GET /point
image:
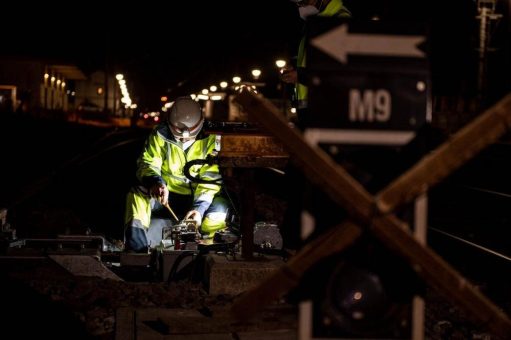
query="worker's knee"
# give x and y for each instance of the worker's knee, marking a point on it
(135, 239)
(213, 222)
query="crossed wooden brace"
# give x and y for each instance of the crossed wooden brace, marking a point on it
(361, 205)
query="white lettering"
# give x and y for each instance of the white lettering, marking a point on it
(370, 105)
(383, 105)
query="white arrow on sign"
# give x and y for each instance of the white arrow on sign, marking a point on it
(338, 43)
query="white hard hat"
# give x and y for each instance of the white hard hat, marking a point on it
(185, 118)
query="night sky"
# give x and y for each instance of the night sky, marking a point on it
(178, 47)
(162, 46)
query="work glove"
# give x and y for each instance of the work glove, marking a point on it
(160, 192)
(194, 215)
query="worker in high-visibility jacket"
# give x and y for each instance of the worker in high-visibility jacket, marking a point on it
(296, 74)
(163, 183)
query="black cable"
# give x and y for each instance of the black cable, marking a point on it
(209, 160)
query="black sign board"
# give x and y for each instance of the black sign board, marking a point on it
(369, 93)
(369, 79)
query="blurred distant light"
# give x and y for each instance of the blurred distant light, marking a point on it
(205, 91)
(133, 106)
(52, 79)
(73, 93)
(46, 76)
(256, 73)
(58, 82)
(202, 97)
(280, 63)
(167, 105)
(164, 98)
(223, 84)
(421, 86)
(213, 88)
(99, 91)
(193, 96)
(146, 116)
(63, 84)
(122, 82)
(119, 76)
(216, 97)
(236, 79)
(250, 88)
(156, 118)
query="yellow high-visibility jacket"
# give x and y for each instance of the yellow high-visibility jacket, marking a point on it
(163, 160)
(335, 8)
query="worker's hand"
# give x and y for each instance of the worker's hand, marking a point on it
(289, 75)
(160, 192)
(194, 215)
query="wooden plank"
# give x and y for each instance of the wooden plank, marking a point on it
(177, 323)
(82, 265)
(344, 190)
(250, 145)
(251, 151)
(282, 280)
(125, 324)
(461, 147)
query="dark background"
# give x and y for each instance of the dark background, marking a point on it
(64, 178)
(83, 173)
(176, 48)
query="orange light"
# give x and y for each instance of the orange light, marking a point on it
(164, 98)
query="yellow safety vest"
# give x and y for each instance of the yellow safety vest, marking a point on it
(335, 8)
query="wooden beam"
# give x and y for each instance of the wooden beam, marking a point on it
(346, 191)
(288, 276)
(316, 164)
(461, 147)
(441, 276)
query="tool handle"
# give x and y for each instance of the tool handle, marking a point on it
(171, 211)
